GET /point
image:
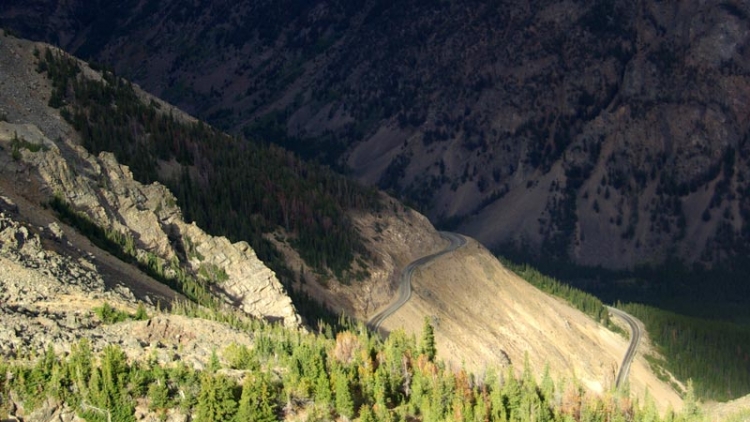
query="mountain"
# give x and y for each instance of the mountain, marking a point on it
(607, 133)
(135, 231)
(84, 244)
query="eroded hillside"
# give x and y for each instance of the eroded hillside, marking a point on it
(42, 165)
(485, 315)
(610, 132)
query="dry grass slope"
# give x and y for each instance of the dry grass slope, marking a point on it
(482, 313)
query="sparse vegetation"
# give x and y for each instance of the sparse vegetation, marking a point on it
(109, 315)
(123, 246)
(16, 144)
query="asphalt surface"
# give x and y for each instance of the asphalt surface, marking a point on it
(404, 289)
(635, 338)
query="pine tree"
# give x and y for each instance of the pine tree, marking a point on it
(547, 385)
(344, 400)
(649, 412)
(323, 394)
(80, 364)
(215, 400)
(365, 414)
(158, 391)
(257, 402)
(690, 409)
(140, 313)
(512, 392)
(428, 347)
(214, 364)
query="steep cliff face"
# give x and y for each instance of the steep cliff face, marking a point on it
(608, 132)
(40, 159)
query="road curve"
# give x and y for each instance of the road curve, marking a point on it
(635, 338)
(404, 289)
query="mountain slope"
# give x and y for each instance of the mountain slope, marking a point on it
(100, 196)
(41, 159)
(484, 315)
(302, 216)
(603, 132)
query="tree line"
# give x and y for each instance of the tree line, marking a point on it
(233, 187)
(584, 302)
(715, 354)
(352, 375)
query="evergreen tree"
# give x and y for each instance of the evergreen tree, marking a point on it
(344, 400)
(513, 393)
(80, 364)
(216, 400)
(257, 402)
(158, 391)
(547, 385)
(690, 409)
(213, 363)
(323, 394)
(649, 413)
(365, 414)
(140, 313)
(428, 340)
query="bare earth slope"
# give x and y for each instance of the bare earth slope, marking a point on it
(486, 315)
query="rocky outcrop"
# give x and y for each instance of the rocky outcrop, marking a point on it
(106, 192)
(39, 155)
(38, 285)
(48, 298)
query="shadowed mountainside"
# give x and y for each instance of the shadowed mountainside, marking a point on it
(610, 133)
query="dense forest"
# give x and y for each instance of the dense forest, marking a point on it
(715, 354)
(352, 375)
(232, 187)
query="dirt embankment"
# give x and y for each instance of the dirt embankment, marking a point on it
(485, 315)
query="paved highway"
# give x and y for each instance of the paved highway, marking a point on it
(635, 338)
(404, 288)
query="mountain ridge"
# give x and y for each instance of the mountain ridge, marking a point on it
(624, 125)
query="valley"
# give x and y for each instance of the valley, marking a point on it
(602, 133)
(145, 199)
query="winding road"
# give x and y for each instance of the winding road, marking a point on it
(457, 241)
(635, 338)
(404, 289)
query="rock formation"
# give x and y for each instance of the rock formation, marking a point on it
(106, 193)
